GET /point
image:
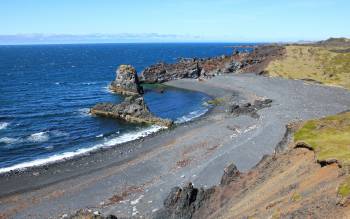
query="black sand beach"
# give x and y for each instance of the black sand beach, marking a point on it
(133, 179)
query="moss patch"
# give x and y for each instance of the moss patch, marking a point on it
(329, 137)
(154, 86)
(216, 101)
(296, 197)
(344, 188)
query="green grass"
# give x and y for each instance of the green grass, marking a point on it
(329, 137)
(154, 86)
(216, 101)
(296, 197)
(344, 188)
(321, 64)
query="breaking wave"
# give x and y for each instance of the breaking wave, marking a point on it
(191, 116)
(3, 125)
(67, 155)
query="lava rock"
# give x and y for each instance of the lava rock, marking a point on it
(133, 109)
(183, 202)
(231, 173)
(127, 81)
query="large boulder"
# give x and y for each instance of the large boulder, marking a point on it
(183, 202)
(126, 82)
(133, 109)
(231, 173)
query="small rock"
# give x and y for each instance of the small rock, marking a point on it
(230, 174)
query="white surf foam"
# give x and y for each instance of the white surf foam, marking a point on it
(107, 90)
(58, 133)
(8, 140)
(3, 125)
(191, 116)
(67, 155)
(83, 112)
(89, 83)
(38, 137)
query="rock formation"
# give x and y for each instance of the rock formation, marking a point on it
(231, 173)
(133, 109)
(183, 202)
(189, 68)
(126, 82)
(161, 72)
(201, 68)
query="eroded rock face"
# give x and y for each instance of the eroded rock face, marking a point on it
(183, 202)
(189, 68)
(161, 72)
(126, 82)
(231, 173)
(238, 62)
(133, 109)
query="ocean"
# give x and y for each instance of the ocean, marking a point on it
(46, 92)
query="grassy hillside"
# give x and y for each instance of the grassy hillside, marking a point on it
(329, 137)
(325, 63)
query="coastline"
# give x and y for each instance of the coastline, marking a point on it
(123, 149)
(132, 137)
(148, 163)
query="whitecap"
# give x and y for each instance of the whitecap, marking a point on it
(57, 83)
(67, 155)
(38, 137)
(107, 90)
(58, 133)
(8, 140)
(83, 112)
(89, 83)
(191, 116)
(3, 125)
(50, 147)
(99, 136)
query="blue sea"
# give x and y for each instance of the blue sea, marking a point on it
(46, 92)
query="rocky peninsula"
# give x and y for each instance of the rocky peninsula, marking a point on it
(133, 108)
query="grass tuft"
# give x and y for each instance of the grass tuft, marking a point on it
(344, 188)
(216, 101)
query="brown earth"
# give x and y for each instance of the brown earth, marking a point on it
(290, 184)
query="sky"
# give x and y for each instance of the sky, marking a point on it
(75, 21)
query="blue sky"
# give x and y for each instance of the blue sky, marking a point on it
(46, 21)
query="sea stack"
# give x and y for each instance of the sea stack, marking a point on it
(126, 81)
(133, 108)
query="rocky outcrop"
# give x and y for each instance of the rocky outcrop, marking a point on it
(258, 60)
(126, 81)
(183, 202)
(133, 109)
(161, 72)
(190, 68)
(248, 108)
(254, 61)
(231, 173)
(89, 214)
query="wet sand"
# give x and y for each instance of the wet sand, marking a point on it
(133, 178)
